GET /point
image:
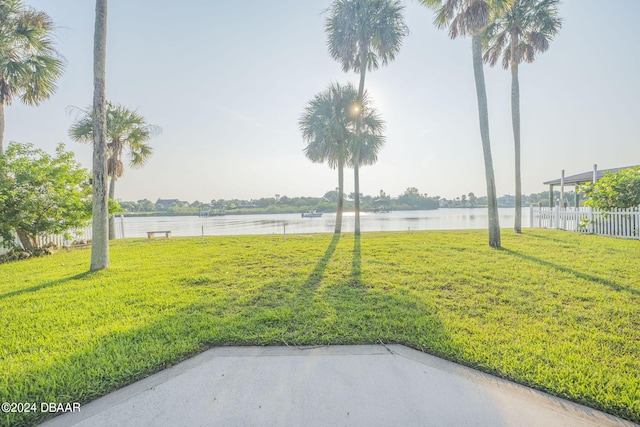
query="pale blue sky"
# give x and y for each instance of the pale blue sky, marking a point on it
(227, 81)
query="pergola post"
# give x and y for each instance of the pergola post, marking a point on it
(562, 189)
(561, 205)
(576, 181)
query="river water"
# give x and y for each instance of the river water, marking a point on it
(440, 219)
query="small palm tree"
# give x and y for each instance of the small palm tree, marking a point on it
(471, 17)
(126, 131)
(524, 29)
(362, 36)
(326, 127)
(29, 62)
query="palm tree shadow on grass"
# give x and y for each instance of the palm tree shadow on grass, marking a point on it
(43, 286)
(376, 314)
(356, 263)
(295, 311)
(595, 279)
(549, 238)
(315, 277)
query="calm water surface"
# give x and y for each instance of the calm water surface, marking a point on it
(441, 219)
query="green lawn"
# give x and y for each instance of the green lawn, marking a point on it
(554, 310)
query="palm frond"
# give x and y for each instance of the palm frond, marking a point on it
(529, 25)
(139, 154)
(465, 17)
(373, 27)
(326, 124)
(30, 63)
(127, 131)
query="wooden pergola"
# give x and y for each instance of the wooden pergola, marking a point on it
(579, 179)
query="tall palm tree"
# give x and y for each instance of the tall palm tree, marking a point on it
(471, 17)
(100, 224)
(126, 131)
(362, 36)
(524, 29)
(326, 128)
(29, 62)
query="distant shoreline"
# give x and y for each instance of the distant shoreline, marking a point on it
(274, 212)
(239, 212)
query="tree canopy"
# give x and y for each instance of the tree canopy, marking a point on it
(524, 29)
(29, 62)
(127, 131)
(41, 194)
(365, 34)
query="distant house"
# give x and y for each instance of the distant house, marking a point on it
(164, 204)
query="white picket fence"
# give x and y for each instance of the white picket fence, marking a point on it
(66, 239)
(616, 223)
(71, 236)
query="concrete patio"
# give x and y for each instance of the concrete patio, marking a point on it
(371, 385)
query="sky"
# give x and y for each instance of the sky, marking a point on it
(227, 81)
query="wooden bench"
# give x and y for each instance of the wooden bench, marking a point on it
(152, 234)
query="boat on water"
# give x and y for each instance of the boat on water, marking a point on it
(216, 210)
(313, 214)
(211, 213)
(381, 209)
(378, 209)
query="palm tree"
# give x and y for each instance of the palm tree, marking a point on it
(100, 224)
(362, 36)
(126, 131)
(29, 63)
(525, 29)
(325, 126)
(471, 17)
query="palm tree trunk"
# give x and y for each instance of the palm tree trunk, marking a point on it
(515, 121)
(356, 152)
(100, 227)
(483, 112)
(340, 196)
(1, 127)
(356, 188)
(112, 219)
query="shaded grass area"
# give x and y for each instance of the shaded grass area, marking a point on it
(553, 310)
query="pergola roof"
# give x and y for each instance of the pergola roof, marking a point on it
(583, 178)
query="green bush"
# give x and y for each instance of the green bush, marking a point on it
(619, 190)
(41, 194)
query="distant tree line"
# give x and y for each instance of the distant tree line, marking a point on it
(411, 199)
(509, 201)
